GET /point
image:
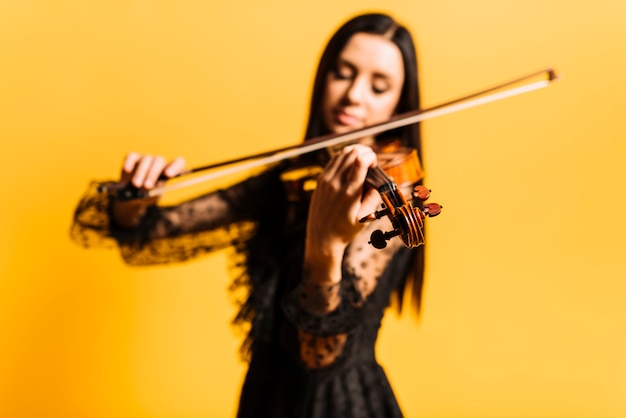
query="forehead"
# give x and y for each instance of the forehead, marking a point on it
(374, 53)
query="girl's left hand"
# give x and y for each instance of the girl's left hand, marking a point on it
(339, 201)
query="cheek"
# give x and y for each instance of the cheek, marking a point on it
(331, 97)
(384, 109)
(332, 92)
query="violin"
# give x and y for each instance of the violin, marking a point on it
(398, 169)
(406, 218)
(395, 178)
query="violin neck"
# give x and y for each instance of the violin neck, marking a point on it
(377, 178)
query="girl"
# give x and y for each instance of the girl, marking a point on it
(316, 290)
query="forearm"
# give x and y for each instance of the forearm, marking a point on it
(159, 234)
(321, 281)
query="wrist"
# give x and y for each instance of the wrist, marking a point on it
(324, 264)
(126, 214)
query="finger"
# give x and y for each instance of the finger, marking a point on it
(370, 202)
(362, 160)
(333, 168)
(175, 167)
(339, 158)
(340, 171)
(141, 170)
(154, 172)
(128, 166)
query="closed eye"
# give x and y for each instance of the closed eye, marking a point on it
(343, 72)
(380, 84)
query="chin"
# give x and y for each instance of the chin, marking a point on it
(342, 129)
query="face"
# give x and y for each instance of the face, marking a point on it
(365, 86)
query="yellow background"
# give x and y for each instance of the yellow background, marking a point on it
(523, 313)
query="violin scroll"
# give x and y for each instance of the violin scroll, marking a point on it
(407, 220)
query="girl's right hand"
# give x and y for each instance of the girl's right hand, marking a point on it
(143, 172)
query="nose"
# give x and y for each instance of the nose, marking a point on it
(356, 92)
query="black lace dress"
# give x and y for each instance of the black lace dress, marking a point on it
(303, 362)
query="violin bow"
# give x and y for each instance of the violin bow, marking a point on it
(485, 96)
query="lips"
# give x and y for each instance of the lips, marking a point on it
(347, 119)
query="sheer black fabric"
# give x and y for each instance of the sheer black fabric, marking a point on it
(303, 360)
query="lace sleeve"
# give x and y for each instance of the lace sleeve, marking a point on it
(306, 307)
(171, 233)
(324, 336)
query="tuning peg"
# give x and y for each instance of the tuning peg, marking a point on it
(432, 209)
(379, 239)
(373, 216)
(421, 192)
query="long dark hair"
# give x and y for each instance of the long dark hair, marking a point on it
(410, 136)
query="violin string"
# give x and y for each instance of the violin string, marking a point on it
(380, 179)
